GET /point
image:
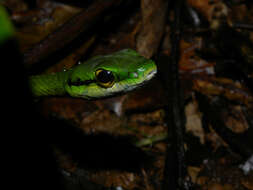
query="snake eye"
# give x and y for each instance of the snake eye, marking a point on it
(104, 78)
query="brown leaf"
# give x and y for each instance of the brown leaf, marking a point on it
(153, 24)
(224, 87)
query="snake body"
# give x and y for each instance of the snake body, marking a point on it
(99, 77)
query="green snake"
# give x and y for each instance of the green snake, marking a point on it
(99, 77)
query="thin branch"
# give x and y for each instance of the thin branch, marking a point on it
(175, 174)
(80, 23)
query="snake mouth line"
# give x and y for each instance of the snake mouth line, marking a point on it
(151, 74)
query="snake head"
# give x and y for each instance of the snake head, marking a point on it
(107, 75)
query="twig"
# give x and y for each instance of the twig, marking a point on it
(245, 26)
(80, 23)
(175, 174)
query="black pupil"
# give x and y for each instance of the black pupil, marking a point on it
(105, 76)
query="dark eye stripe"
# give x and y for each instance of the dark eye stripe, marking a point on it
(78, 82)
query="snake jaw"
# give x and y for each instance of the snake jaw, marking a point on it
(151, 74)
